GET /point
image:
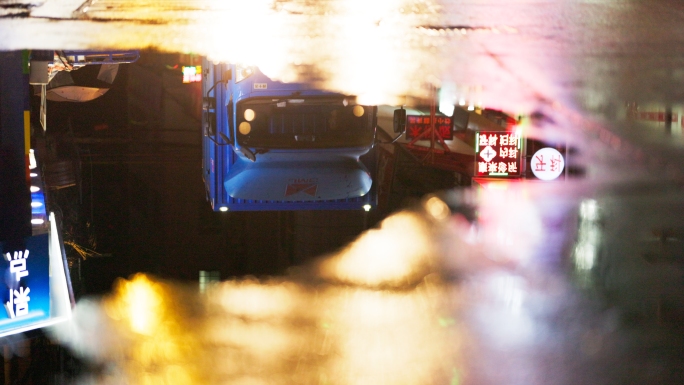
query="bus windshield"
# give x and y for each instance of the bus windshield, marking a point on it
(290, 123)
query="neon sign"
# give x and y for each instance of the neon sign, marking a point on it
(419, 126)
(497, 154)
(192, 74)
(27, 298)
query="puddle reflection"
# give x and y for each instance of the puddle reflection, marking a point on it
(388, 321)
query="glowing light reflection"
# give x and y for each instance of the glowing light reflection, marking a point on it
(385, 310)
(142, 304)
(352, 327)
(588, 239)
(255, 300)
(388, 338)
(512, 225)
(393, 255)
(437, 208)
(292, 41)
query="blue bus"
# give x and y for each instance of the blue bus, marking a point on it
(269, 145)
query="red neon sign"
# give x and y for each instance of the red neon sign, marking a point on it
(417, 125)
(497, 154)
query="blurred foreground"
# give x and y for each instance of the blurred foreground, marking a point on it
(534, 293)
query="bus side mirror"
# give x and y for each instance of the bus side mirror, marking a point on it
(399, 120)
(225, 138)
(209, 123)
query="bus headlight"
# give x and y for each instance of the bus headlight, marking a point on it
(242, 72)
(358, 111)
(245, 128)
(249, 114)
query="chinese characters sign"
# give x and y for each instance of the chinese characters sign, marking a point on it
(497, 154)
(26, 297)
(18, 303)
(547, 163)
(419, 125)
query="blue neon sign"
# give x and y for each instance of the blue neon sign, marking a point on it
(26, 291)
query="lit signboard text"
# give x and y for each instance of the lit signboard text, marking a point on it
(547, 163)
(497, 154)
(419, 126)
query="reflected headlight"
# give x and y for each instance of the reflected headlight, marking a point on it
(242, 72)
(245, 128)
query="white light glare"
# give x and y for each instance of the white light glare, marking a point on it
(33, 175)
(32, 159)
(223, 208)
(37, 221)
(589, 210)
(36, 204)
(446, 99)
(366, 207)
(243, 72)
(35, 189)
(446, 108)
(589, 235)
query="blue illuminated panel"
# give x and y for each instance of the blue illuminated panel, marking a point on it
(25, 293)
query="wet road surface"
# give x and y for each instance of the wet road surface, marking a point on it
(560, 283)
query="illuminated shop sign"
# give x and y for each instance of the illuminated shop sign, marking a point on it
(497, 154)
(192, 74)
(419, 126)
(26, 297)
(36, 292)
(547, 163)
